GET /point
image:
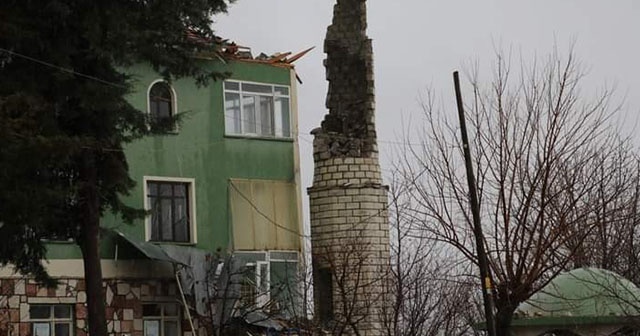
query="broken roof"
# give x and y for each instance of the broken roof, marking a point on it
(229, 50)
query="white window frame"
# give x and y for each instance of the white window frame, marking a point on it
(52, 320)
(174, 100)
(277, 119)
(162, 318)
(193, 234)
(262, 295)
(262, 299)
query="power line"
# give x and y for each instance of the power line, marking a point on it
(272, 221)
(255, 207)
(306, 138)
(67, 70)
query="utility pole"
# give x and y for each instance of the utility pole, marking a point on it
(483, 262)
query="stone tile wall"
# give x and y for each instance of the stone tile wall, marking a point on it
(123, 298)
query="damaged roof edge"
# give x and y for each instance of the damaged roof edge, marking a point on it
(229, 50)
(150, 250)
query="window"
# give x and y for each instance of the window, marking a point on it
(170, 203)
(257, 109)
(254, 290)
(51, 320)
(161, 319)
(269, 280)
(161, 104)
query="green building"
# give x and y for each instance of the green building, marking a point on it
(223, 194)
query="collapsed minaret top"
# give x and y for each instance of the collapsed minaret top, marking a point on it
(349, 128)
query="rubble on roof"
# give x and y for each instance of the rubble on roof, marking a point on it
(237, 52)
(229, 50)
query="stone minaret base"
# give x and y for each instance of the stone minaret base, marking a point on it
(350, 242)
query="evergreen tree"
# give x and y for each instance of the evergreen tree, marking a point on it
(64, 118)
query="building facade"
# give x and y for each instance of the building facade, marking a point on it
(221, 188)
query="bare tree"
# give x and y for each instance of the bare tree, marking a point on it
(536, 143)
(613, 244)
(237, 298)
(351, 278)
(429, 291)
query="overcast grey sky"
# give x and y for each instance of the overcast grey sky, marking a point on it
(418, 43)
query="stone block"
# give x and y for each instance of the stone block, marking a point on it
(372, 205)
(137, 324)
(14, 315)
(31, 289)
(61, 290)
(123, 288)
(20, 288)
(353, 205)
(7, 287)
(136, 292)
(81, 285)
(127, 314)
(108, 295)
(126, 326)
(81, 311)
(42, 292)
(14, 301)
(24, 311)
(25, 329)
(81, 297)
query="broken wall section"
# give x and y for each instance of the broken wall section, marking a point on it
(349, 128)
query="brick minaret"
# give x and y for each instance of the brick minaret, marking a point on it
(349, 224)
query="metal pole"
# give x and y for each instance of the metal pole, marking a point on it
(475, 210)
(184, 300)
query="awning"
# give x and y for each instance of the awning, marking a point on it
(151, 251)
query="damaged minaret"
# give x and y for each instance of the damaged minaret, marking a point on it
(349, 224)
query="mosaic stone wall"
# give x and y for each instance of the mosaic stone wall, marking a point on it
(123, 298)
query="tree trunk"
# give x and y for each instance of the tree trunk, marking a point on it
(504, 316)
(90, 245)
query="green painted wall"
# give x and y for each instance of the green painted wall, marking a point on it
(200, 150)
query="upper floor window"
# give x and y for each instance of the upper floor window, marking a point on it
(161, 103)
(260, 110)
(51, 320)
(170, 202)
